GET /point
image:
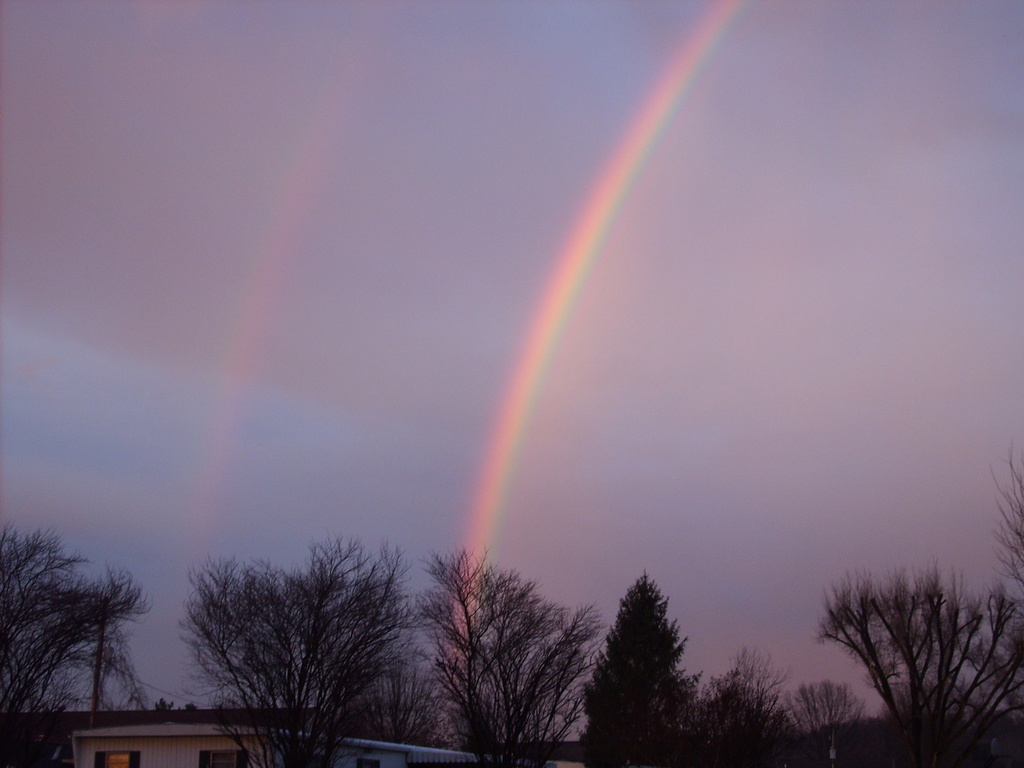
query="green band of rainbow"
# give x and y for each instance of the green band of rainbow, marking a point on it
(574, 264)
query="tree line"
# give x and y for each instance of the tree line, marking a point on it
(309, 655)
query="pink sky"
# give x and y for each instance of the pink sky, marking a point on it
(267, 269)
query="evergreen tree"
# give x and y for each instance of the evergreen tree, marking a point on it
(638, 697)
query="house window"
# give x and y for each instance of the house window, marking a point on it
(366, 762)
(224, 758)
(116, 760)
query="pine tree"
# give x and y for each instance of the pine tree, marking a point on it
(637, 699)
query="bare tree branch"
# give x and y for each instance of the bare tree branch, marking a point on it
(511, 664)
(826, 714)
(405, 706)
(295, 649)
(50, 620)
(117, 600)
(947, 664)
(741, 719)
(1010, 534)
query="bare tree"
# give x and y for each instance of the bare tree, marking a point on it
(50, 625)
(826, 715)
(947, 664)
(510, 663)
(115, 600)
(405, 706)
(1010, 534)
(295, 649)
(741, 718)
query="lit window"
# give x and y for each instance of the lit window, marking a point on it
(118, 760)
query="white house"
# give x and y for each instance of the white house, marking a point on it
(164, 745)
(194, 745)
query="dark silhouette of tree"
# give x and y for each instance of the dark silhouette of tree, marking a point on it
(116, 600)
(1010, 534)
(405, 706)
(946, 663)
(636, 701)
(741, 720)
(873, 742)
(51, 621)
(296, 649)
(827, 715)
(510, 663)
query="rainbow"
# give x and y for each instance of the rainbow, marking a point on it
(575, 262)
(261, 294)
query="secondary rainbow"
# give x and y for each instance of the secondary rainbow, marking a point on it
(258, 300)
(574, 263)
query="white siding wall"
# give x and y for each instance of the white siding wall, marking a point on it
(183, 751)
(154, 752)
